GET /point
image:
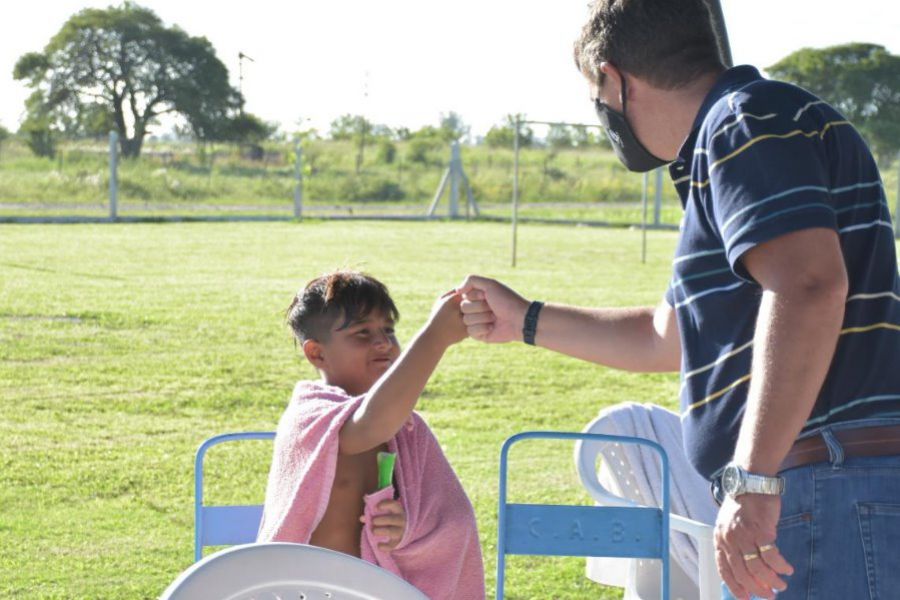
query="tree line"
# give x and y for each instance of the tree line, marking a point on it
(121, 68)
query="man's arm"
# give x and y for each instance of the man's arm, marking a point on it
(804, 283)
(633, 339)
(390, 401)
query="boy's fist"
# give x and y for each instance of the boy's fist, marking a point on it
(446, 320)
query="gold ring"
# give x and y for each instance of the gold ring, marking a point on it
(766, 548)
(751, 556)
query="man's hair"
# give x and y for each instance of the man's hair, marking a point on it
(669, 43)
(348, 295)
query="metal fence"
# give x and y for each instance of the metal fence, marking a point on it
(555, 172)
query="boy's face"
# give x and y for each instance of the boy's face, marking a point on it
(355, 356)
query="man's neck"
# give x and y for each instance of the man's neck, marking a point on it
(678, 110)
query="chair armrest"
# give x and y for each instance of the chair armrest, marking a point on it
(701, 532)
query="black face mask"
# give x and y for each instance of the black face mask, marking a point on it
(626, 145)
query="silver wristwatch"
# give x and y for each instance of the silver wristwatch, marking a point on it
(736, 481)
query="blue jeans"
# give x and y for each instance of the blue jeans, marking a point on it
(840, 528)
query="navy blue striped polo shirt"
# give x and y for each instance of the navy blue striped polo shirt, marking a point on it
(764, 159)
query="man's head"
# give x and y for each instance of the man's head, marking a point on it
(667, 43)
(643, 59)
(344, 322)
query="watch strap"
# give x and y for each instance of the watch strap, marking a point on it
(762, 484)
(529, 329)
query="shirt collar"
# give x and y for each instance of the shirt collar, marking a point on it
(730, 80)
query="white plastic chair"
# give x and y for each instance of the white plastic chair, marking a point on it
(641, 579)
(282, 570)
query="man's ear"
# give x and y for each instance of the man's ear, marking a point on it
(612, 84)
(314, 353)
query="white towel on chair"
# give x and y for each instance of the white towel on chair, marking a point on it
(634, 473)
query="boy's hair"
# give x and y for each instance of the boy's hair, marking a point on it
(669, 43)
(349, 295)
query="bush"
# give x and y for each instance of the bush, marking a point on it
(386, 152)
(41, 139)
(419, 148)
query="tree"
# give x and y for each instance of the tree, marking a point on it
(560, 136)
(500, 136)
(452, 127)
(247, 128)
(38, 129)
(860, 80)
(4, 135)
(584, 137)
(124, 62)
(347, 127)
(356, 128)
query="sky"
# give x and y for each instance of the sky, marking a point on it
(404, 62)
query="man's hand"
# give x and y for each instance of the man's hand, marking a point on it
(492, 312)
(747, 557)
(446, 321)
(391, 524)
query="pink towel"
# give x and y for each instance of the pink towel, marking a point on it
(439, 552)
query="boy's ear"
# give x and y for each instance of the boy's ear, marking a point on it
(313, 352)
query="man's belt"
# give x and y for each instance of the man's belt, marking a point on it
(861, 441)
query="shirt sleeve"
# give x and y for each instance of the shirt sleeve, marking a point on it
(768, 176)
(669, 296)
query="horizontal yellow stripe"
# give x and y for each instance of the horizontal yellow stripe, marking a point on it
(721, 392)
(743, 379)
(760, 138)
(718, 360)
(831, 124)
(870, 328)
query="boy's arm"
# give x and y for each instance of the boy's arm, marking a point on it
(391, 400)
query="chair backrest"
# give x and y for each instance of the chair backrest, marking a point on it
(568, 530)
(693, 576)
(282, 570)
(223, 525)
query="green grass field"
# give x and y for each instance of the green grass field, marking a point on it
(123, 347)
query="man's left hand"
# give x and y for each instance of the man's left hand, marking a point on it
(746, 555)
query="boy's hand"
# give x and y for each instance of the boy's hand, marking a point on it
(446, 321)
(391, 524)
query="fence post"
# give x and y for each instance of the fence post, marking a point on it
(515, 198)
(298, 175)
(657, 204)
(455, 169)
(113, 175)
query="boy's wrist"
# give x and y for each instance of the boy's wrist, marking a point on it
(433, 337)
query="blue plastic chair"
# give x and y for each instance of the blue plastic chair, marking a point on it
(568, 530)
(223, 525)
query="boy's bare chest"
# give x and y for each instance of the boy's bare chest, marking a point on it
(355, 476)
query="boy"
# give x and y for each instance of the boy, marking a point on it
(323, 485)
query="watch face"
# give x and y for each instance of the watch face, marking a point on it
(730, 479)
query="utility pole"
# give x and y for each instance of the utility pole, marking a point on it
(241, 57)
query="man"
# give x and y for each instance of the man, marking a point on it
(783, 313)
